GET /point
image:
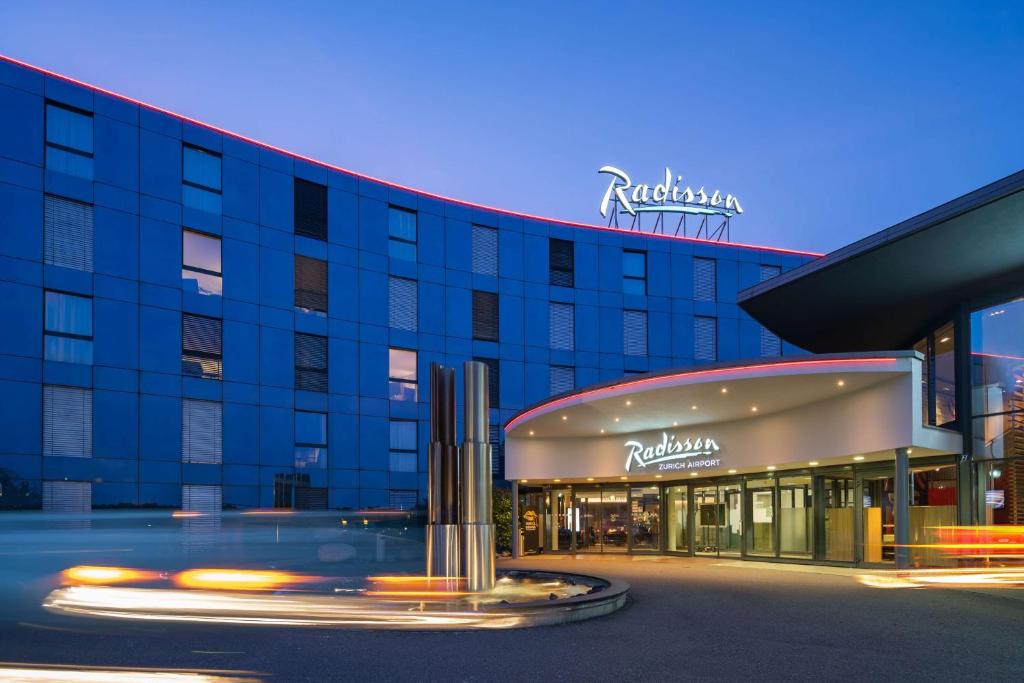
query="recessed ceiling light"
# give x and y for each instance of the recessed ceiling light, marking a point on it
(771, 467)
(813, 463)
(623, 478)
(557, 480)
(944, 340)
(590, 479)
(523, 481)
(602, 430)
(725, 390)
(858, 458)
(732, 471)
(675, 424)
(565, 417)
(616, 419)
(531, 432)
(841, 383)
(629, 403)
(657, 476)
(693, 407)
(909, 451)
(753, 409)
(693, 474)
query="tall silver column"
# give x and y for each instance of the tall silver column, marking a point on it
(442, 540)
(901, 504)
(477, 517)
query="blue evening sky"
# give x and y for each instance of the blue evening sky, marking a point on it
(829, 120)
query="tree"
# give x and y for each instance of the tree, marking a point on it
(502, 503)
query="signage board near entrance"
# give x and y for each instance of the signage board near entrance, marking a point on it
(672, 454)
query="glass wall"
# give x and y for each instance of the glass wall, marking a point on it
(932, 505)
(730, 534)
(677, 539)
(761, 504)
(838, 531)
(645, 508)
(706, 516)
(558, 530)
(796, 516)
(878, 516)
(938, 376)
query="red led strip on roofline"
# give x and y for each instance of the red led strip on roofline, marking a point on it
(388, 183)
(614, 388)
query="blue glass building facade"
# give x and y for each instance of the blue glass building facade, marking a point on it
(190, 318)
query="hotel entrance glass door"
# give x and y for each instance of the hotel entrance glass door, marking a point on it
(603, 520)
(878, 521)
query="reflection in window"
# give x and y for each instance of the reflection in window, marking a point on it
(678, 539)
(938, 376)
(402, 234)
(68, 328)
(997, 358)
(402, 443)
(69, 141)
(634, 272)
(200, 263)
(402, 382)
(310, 440)
(201, 179)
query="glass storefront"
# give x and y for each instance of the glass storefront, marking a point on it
(838, 528)
(796, 516)
(676, 504)
(761, 504)
(878, 516)
(645, 507)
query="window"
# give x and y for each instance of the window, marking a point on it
(705, 279)
(560, 262)
(200, 179)
(485, 251)
(562, 330)
(67, 421)
(69, 140)
(493, 380)
(997, 372)
(402, 382)
(201, 340)
(634, 333)
(771, 345)
(497, 450)
(402, 234)
(485, 316)
(311, 285)
(402, 303)
(562, 379)
(67, 233)
(201, 498)
(634, 272)
(705, 338)
(768, 272)
(403, 446)
(310, 209)
(938, 373)
(200, 263)
(67, 497)
(401, 499)
(310, 440)
(310, 362)
(201, 431)
(68, 328)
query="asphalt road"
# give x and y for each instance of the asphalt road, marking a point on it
(689, 618)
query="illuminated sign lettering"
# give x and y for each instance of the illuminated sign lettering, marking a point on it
(666, 197)
(672, 454)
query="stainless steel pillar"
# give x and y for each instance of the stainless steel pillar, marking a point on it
(515, 519)
(477, 515)
(442, 541)
(901, 510)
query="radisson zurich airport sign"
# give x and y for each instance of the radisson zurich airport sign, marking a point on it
(672, 454)
(664, 197)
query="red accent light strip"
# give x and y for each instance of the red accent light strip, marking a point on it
(661, 379)
(388, 183)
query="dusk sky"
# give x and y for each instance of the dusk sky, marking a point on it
(830, 121)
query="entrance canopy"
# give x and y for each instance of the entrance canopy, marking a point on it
(728, 419)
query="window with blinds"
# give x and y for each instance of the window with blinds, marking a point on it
(201, 498)
(562, 328)
(493, 380)
(705, 338)
(201, 343)
(485, 251)
(402, 303)
(68, 497)
(768, 272)
(310, 209)
(771, 345)
(634, 333)
(485, 316)
(310, 284)
(497, 450)
(401, 499)
(705, 279)
(310, 362)
(202, 431)
(561, 262)
(67, 421)
(67, 233)
(562, 379)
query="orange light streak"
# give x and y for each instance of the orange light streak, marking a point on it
(103, 576)
(240, 579)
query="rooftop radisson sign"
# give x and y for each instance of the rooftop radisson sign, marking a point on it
(665, 197)
(672, 454)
